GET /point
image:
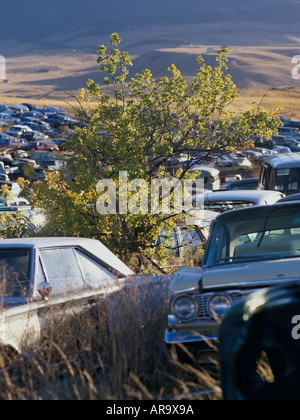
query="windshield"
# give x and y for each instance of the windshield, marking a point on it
(287, 179)
(14, 273)
(261, 234)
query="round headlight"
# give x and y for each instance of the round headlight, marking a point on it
(185, 308)
(218, 305)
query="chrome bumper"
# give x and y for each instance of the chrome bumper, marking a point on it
(194, 332)
(173, 337)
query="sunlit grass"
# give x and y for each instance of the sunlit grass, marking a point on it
(112, 352)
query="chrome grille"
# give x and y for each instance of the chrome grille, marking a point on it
(202, 301)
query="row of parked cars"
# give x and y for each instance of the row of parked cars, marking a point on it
(250, 234)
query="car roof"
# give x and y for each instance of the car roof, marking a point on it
(93, 246)
(288, 160)
(257, 209)
(247, 195)
(208, 168)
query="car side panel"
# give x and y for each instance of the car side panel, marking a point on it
(19, 327)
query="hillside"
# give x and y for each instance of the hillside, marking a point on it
(57, 24)
(50, 47)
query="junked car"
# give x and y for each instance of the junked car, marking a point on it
(260, 335)
(281, 173)
(209, 174)
(248, 249)
(7, 118)
(233, 162)
(220, 201)
(187, 240)
(42, 276)
(19, 131)
(244, 184)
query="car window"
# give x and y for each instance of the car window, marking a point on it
(94, 273)
(244, 186)
(14, 273)
(62, 269)
(269, 242)
(169, 241)
(191, 239)
(287, 179)
(257, 236)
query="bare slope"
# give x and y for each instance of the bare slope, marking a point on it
(50, 47)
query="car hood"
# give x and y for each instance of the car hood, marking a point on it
(186, 279)
(249, 272)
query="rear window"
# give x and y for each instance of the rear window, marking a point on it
(244, 186)
(95, 275)
(14, 272)
(288, 179)
(222, 206)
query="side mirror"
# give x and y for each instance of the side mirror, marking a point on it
(45, 290)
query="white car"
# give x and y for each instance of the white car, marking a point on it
(47, 280)
(210, 175)
(233, 162)
(19, 130)
(221, 201)
(44, 275)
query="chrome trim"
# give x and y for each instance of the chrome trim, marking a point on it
(195, 324)
(188, 337)
(252, 284)
(203, 299)
(184, 291)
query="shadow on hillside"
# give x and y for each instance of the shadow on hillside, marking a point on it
(246, 71)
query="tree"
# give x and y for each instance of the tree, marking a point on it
(138, 127)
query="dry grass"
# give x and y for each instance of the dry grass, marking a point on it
(289, 98)
(109, 353)
(257, 70)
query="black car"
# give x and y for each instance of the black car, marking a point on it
(244, 184)
(260, 346)
(62, 121)
(34, 114)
